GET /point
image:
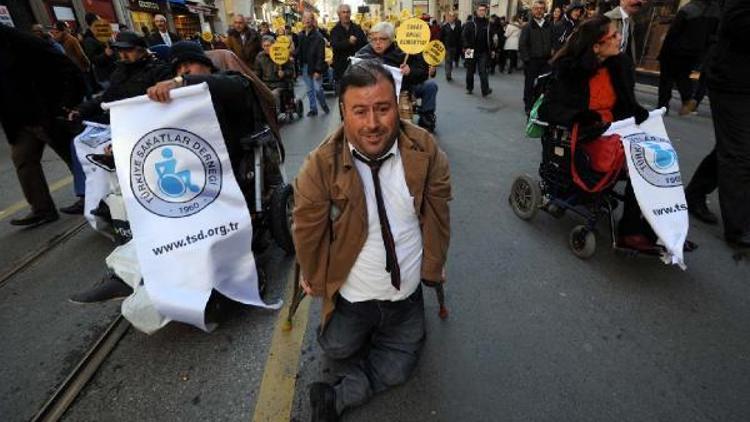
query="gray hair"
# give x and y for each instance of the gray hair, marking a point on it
(384, 28)
(342, 6)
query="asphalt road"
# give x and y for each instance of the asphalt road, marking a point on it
(534, 333)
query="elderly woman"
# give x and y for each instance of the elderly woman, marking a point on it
(415, 69)
(276, 77)
(593, 85)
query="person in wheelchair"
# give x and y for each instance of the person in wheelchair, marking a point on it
(415, 70)
(593, 85)
(277, 78)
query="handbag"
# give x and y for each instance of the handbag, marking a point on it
(534, 127)
(606, 155)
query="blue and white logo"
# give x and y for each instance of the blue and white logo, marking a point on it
(655, 160)
(174, 173)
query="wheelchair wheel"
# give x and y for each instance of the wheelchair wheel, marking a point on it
(299, 107)
(525, 197)
(582, 242)
(282, 204)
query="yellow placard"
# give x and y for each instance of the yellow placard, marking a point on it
(207, 36)
(284, 40)
(279, 53)
(418, 11)
(102, 30)
(330, 25)
(366, 25)
(298, 27)
(278, 22)
(405, 14)
(434, 53)
(413, 35)
(329, 55)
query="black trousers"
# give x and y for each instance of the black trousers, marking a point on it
(512, 56)
(384, 340)
(705, 179)
(478, 63)
(731, 115)
(532, 69)
(675, 70)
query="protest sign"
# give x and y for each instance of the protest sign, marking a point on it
(279, 53)
(434, 53)
(413, 35)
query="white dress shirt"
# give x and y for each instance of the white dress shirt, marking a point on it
(166, 38)
(368, 279)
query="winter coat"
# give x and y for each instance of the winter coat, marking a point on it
(75, 52)
(451, 38)
(729, 65)
(342, 48)
(561, 31)
(327, 248)
(536, 41)
(567, 98)
(128, 80)
(267, 71)
(36, 82)
(393, 56)
(311, 52)
(472, 31)
(247, 51)
(692, 30)
(104, 65)
(512, 36)
(155, 38)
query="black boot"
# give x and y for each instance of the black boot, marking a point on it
(110, 287)
(35, 219)
(427, 121)
(75, 208)
(322, 403)
(697, 208)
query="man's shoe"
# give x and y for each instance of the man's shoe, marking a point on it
(322, 403)
(487, 93)
(427, 121)
(688, 107)
(75, 208)
(698, 209)
(448, 78)
(110, 287)
(312, 113)
(326, 110)
(35, 219)
(739, 241)
(469, 92)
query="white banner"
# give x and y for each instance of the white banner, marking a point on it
(654, 172)
(94, 138)
(189, 220)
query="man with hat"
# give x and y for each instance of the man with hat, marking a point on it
(136, 70)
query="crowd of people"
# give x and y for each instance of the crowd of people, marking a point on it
(374, 288)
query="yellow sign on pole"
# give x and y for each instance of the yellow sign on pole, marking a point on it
(298, 27)
(102, 30)
(405, 14)
(279, 54)
(284, 40)
(434, 53)
(207, 36)
(278, 22)
(366, 25)
(329, 55)
(413, 35)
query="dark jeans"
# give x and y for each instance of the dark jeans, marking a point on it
(675, 70)
(26, 152)
(704, 180)
(731, 115)
(478, 63)
(512, 56)
(451, 59)
(387, 335)
(532, 69)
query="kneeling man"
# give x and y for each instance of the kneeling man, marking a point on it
(371, 221)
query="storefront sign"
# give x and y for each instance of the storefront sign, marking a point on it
(5, 18)
(145, 6)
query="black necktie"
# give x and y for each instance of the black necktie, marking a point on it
(391, 260)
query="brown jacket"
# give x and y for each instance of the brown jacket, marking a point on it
(74, 51)
(330, 213)
(248, 50)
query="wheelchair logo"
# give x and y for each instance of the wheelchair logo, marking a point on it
(655, 160)
(174, 173)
